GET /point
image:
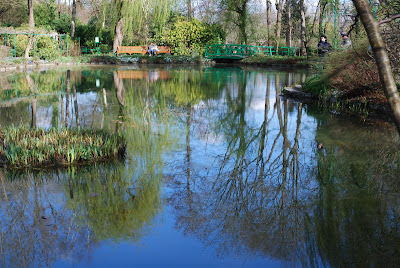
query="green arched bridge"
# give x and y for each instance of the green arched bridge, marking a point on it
(233, 52)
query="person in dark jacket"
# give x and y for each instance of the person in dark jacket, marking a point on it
(324, 47)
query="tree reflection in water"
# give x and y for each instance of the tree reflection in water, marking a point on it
(267, 199)
(252, 181)
(64, 215)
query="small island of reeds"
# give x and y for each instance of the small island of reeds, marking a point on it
(24, 147)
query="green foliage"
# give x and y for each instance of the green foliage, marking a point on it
(88, 32)
(316, 85)
(13, 12)
(113, 209)
(46, 48)
(45, 13)
(142, 15)
(22, 42)
(189, 37)
(62, 24)
(24, 147)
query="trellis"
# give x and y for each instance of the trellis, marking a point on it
(62, 40)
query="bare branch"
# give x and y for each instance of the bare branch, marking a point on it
(353, 25)
(389, 19)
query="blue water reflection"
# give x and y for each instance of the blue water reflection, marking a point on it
(220, 171)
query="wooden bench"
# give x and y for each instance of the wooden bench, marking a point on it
(138, 74)
(131, 50)
(164, 50)
(141, 50)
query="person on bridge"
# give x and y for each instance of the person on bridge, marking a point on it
(153, 49)
(324, 47)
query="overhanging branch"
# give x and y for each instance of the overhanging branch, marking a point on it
(389, 19)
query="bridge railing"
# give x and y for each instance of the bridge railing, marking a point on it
(233, 50)
(243, 51)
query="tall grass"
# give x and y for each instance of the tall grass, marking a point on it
(21, 147)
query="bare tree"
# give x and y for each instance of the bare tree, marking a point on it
(269, 22)
(73, 19)
(289, 23)
(381, 57)
(31, 27)
(30, 12)
(303, 41)
(278, 24)
(189, 9)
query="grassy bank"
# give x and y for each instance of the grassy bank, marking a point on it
(349, 79)
(22, 147)
(259, 60)
(9, 62)
(278, 60)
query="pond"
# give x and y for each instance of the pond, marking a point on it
(220, 171)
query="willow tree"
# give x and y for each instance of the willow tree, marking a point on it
(133, 17)
(381, 57)
(238, 11)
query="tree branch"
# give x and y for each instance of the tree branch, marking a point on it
(353, 25)
(389, 19)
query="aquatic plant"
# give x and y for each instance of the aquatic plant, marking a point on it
(20, 147)
(316, 85)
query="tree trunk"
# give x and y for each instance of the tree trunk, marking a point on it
(278, 24)
(33, 101)
(269, 21)
(381, 58)
(243, 34)
(189, 9)
(29, 46)
(118, 35)
(289, 22)
(31, 28)
(67, 98)
(30, 12)
(120, 90)
(78, 125)
(303, 41)
(321, 17)
(73, 19)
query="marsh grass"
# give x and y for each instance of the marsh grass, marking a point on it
(22, 147)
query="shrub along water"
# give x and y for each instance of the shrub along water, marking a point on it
(22, 147)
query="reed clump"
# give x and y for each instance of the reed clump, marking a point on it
(23, 147)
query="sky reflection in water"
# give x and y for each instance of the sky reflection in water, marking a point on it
(220, 172)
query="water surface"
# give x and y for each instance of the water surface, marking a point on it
(220, 171)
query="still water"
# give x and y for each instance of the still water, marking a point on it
(220, 171)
